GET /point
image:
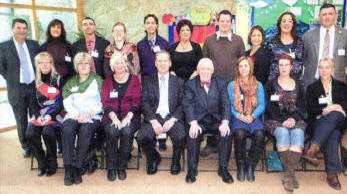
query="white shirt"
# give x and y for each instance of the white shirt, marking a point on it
(163, 106)
(229, 36)
(31, 69)
(322, 34)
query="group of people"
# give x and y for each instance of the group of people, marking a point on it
(153, 90)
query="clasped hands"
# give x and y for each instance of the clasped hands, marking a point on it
(44, 119)
(159, 129)
(333, 107)
(247, 119)
(120, 124)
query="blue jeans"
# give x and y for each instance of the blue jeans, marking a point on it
(327, 136)
(289, 137)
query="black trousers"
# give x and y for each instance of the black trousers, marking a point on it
(209, 125)
(257, 147)
(146, 136)
(21, 110)
(327, 135)
(119, 143)
(48, 132)
(84, 133)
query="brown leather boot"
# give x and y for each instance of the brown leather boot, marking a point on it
(286, 180)
(293, 159)
(311, 154)
(333, 181)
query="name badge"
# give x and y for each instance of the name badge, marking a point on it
(323, 100)
(68, 58)
(95, 54)
(162, 136)
(113, 94)
(292, 55)
(341, 52)
(52, 90)
(241, 96)
(74, 89)
(275, 98)
(156, 49)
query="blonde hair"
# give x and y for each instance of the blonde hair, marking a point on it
(118, 56)
(80, 57)
(38, 57)
(327, 60)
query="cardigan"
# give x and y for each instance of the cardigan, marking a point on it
(129, 102)
(261, 64)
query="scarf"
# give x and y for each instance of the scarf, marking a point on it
(249, 91)
(75, 86)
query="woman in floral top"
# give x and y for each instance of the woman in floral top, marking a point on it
(285, 108)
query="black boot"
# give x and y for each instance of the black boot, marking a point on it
(111, 174)
(175, 163)
(224, 173)
(250, 173)
(77, 176)
(191, 174)
(68, 179)
(240, 153)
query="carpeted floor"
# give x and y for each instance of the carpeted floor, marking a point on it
(16, 177)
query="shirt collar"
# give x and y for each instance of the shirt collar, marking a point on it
(331, 29)
(166, 76)
(229, 36)
(91, 38)
(152, 39)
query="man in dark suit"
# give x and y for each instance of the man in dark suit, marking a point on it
(17, 67)
(161, 100)
(93, 44)
(328, 40)
(207, 109)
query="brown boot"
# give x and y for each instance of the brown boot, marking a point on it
(293, 159)
(311, 154)
(286, 180)
(333, 181)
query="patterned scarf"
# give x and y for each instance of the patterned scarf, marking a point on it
(249, 91)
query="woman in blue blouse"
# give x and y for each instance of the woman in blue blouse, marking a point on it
(247, 104)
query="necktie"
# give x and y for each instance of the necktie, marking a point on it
(326, 44)
(151, 43)
(205, 83)
(162, 83)
(24, 64)
(163, 104)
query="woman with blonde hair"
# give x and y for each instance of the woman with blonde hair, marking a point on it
(47, 120)
(247, 104)
(121, 45)
(120, 96)
(83, 108)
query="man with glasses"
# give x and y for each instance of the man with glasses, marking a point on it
(93, 44)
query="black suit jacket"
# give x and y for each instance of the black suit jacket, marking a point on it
(197, 103)
(100, 45)
(150, 97)
(10, 66)
(316, 90)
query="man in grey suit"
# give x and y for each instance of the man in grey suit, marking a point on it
(17, 67)
(328, 40)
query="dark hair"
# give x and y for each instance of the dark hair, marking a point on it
(293, 31)
(19, 20)
(224, 12)
(88, 18)
(62, 36)
(151, 16)
(326, 5)
(285, 57)
(182, 23)
(260, 29)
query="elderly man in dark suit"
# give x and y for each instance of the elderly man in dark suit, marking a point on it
(207, 109)
(93, 44)
(161, 100)
(328, 40)
(17, 67)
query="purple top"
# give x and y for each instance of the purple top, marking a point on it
(147, 55)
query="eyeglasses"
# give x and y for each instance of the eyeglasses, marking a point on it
(286, 21)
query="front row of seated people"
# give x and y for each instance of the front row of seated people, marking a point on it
(185, 112)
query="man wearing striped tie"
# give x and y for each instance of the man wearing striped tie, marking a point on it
(17, 68)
